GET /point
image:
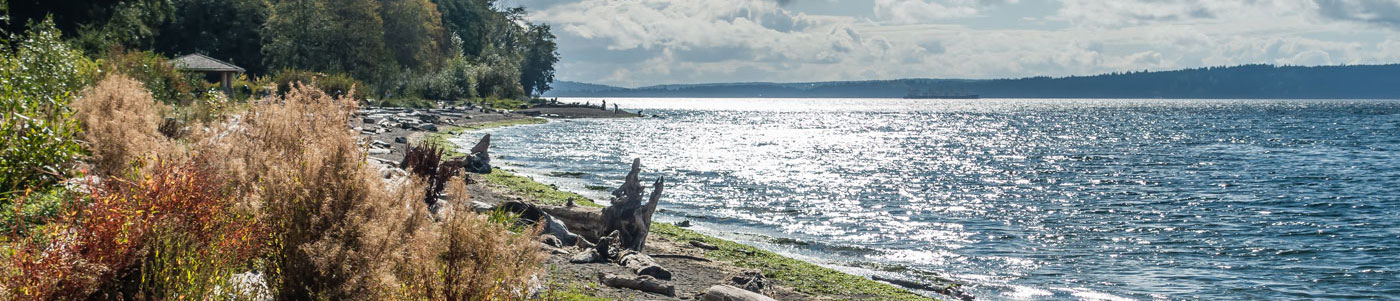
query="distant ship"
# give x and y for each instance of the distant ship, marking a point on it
(931, 94)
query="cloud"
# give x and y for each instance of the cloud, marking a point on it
(925, 11)
(1380, 12)
(647, 42)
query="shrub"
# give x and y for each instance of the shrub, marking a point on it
(37, 80)
(335, 228)
(336, 85)
(166, 85)
(94, 247)
(121, 122)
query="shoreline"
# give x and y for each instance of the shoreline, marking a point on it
(699, 260)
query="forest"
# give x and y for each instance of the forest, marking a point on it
(404, 50)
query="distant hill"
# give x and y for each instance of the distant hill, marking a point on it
(1246, 82)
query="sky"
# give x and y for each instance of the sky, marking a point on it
(634, 43)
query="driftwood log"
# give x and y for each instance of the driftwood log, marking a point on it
(642, 283)
(643, 265)
(628, 214)
(730, 293)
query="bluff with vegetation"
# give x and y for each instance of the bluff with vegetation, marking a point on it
(394, 49)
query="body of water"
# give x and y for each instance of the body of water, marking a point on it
(1020, 199)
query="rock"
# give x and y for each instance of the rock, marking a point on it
(641, 283)
(752, 281)
(702, 245)
(627, 214)
(479, 160)
(400, 139)
(405, 125)
(380, 144)
(428, 127)
(683, 224)
(730, 293)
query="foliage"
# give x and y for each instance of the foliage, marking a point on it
(537, 67)
(407, 102)
(426, 162)
(224, 29)
(93, 246)
(413, 30)
(336, 85)
(166, 84)
(134, 23)
(38, 79)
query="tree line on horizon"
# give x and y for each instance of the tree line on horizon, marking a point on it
(1255, 81)
(430, 49)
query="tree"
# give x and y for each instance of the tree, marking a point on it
(414, 34)
(537, 69)
(223, 29)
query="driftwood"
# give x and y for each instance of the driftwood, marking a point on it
(627, 214)
(584, 221)
(643, 265)
(642, 283)
(533, 214)
(730, 293)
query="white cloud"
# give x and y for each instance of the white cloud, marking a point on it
(646, 42)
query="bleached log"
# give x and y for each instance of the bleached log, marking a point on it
(643, 265)
(641, 283)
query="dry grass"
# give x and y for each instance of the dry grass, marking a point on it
(121, 124)
(282, 187)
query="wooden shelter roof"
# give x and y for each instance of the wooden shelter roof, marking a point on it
(200, 63)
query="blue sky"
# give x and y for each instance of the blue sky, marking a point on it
(647, 42)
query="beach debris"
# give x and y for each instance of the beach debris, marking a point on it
(730, 293)
(478, 160)
(642, 283)
(752, 281)
(627, 214)
(947, 290)
(584, 221)
(643, 265)
(588, 255)
(552, 226)
(703, 245)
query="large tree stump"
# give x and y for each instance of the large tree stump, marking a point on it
(627, 214)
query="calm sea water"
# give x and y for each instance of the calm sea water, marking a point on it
(1021, 199)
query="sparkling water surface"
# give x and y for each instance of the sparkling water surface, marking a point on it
(1020, 199)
